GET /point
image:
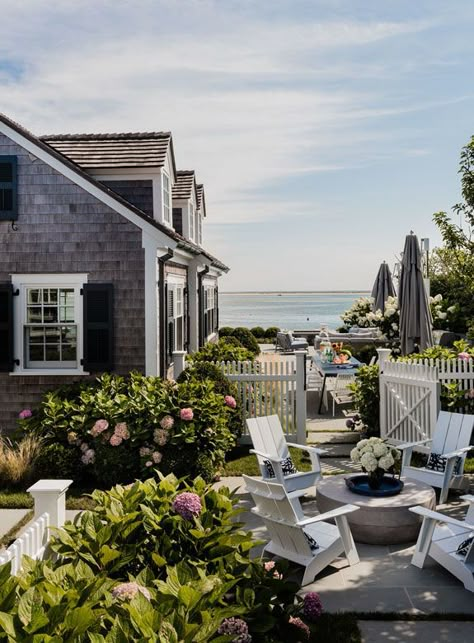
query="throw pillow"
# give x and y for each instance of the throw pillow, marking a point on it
(464, 546)
(437, 462)
(287, 467)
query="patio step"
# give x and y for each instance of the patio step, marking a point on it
(329, 437)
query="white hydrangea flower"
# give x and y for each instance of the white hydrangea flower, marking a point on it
(386, 462)
(355, 455)
(396, 454)
(451, 309)
(438, 297)
(369, 462)
(394, 326)
(361, 444)
(380, 450)
(442, 315)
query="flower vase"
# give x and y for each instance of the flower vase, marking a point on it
(375, 478)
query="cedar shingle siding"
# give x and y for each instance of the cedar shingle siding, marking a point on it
(62, 228)
(140, 193)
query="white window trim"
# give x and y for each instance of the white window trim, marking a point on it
(178, 281)
(169, 221)
(192, 232)
(23, 281)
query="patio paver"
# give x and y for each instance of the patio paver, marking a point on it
(405, 631)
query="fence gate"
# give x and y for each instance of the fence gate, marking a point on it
(409, 401)
(267, 388)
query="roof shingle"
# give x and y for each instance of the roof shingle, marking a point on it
(97, 151)
(185, 183)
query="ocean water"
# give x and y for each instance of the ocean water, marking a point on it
(289, 310)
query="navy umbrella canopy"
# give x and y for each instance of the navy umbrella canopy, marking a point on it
(383, 287)
(415, 315)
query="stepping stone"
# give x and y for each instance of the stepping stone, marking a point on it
(335, 438)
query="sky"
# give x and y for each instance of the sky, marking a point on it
(323, 130)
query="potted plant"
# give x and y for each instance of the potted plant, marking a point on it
(376, 459)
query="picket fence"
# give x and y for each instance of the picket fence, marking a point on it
(410, 394)
(49, 498)
(32, 543)
(267, 388)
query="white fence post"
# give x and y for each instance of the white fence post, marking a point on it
(384, 354)
(179, 363)
(50, 497)
(300, 397)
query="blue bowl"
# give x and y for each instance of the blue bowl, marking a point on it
(360, 484)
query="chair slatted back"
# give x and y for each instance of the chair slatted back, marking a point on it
(267, 436)
(469, 559)
(273, 506)
(453, 431)
(284, 340)
(342, 381)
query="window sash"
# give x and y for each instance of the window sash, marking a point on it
(166, 198)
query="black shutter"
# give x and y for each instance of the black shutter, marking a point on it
(8, 188)
(6, 328)
(187, 319)
(170, 314)
(98, 327)
(216, 309)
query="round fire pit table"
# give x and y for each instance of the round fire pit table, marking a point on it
(379, 521)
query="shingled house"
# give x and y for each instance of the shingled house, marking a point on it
(102, 266)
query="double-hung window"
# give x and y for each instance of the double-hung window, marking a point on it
(49, 322)
(209, 310)
(166, 198)
(176, 316)
(191, 222)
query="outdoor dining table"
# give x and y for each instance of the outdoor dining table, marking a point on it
(328, 369)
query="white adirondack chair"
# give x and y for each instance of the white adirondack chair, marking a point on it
(340, 392)
(311, 542)
(271, 449)
(441, 536)
(451, 440)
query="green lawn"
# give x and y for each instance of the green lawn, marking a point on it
(240, 461)
(76, 499)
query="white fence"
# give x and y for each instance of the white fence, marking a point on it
(452, 370)
(409, 401)
(32, 543)
(267, 388)
(50, 511)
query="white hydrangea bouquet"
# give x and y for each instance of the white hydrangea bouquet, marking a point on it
(376, 457)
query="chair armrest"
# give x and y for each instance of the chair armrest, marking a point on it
(335, 513)
(468, 497)
(306, 448)
(458, 452)
(439, 517)
(408, 445)
(265, 455)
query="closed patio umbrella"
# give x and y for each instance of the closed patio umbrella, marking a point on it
(383, 287)
(415, 314)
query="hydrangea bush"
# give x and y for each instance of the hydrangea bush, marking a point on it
(136, 569)
(118, 429)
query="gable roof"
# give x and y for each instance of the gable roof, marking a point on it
(201, 201)
(109, 151)
(71, 165)
(185, 185)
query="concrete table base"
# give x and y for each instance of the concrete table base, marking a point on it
(379, 521)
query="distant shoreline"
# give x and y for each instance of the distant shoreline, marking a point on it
(294, 292)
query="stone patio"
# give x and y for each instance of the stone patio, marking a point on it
(384, 580)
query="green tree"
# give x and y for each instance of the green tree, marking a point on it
(452, 266)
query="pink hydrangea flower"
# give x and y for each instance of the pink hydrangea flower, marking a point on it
(99, 427)
(269, 566)
(148, 463)
(122, 431)
(144, 451)
(465, 356)
(115, 440)
(312, 606)
(88, 457)
(167, 422)
(25, 414)
(304, 631)
(186, 414)
(160, 436)
(237, 626)
(470, 394)
(84, 447)
(230, 401)
(127, 591)
(156, 456)
(187, 505)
